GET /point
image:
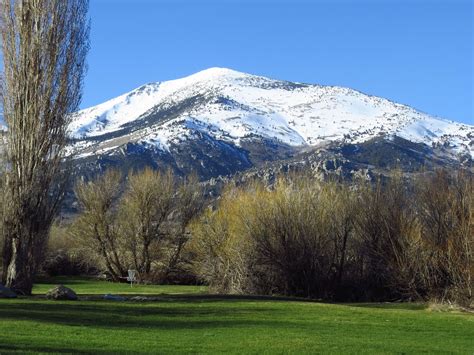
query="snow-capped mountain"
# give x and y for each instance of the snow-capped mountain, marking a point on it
(221, 114)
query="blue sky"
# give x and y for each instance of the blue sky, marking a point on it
(417, 52)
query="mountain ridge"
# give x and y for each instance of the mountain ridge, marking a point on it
(259, 104)
(220, 122)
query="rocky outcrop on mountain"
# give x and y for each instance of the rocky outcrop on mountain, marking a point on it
(220, 122)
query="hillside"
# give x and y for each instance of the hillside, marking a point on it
(220, 121)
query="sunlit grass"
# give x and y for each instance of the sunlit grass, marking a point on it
(197, 324)
(89, 286)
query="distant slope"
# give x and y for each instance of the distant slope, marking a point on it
(219, 123)
(230, 106)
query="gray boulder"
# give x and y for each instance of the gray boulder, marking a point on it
(146, 299)
(139, 299)
(61, 293)
(110, 297)
(5, 292)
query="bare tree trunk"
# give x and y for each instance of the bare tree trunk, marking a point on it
(342, 258)
(44, 44)
(6, 256)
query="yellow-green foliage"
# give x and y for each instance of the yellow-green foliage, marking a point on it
(146, 204)
(142, 227)
(274, 240)
(392, 239)
(220, 244)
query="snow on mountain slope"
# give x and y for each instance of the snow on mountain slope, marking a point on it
(229, 106)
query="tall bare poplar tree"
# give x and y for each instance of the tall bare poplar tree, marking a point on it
(44, 44)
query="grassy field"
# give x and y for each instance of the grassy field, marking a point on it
(196, 323)
(87, 286)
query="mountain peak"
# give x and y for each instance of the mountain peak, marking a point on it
(218, 71)
(212, 74)
(232, 106)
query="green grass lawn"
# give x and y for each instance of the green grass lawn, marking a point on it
(197, 324)
(88, 286)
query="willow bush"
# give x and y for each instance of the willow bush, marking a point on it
(395, 239)
(137, 223)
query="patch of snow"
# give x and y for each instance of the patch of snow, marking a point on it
(241, 104)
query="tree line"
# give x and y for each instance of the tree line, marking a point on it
(396, 239)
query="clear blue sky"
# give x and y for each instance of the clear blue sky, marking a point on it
(417, 52)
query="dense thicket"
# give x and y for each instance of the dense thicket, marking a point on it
(395, 239)
(391, 240)
(140, 225)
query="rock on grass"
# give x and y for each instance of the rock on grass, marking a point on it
(109, 297)
(5, 292)
(61, 293)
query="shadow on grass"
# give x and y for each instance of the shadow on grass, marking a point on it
(28, 348)
(160, 316)
(192, 317)
(150, 317)
(56, 280)
(171, 312)
(407, 306)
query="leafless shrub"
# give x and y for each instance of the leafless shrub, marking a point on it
(144, 228)
(65, 254)
(388, 233)
(96, 226)
(287, 240)
(189, 202)
(391, 240)
(446, 211)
